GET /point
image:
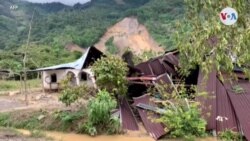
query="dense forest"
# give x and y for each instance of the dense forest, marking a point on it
(55, 24)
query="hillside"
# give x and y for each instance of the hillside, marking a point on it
(14, 20)
(56, 25)
(129, 33)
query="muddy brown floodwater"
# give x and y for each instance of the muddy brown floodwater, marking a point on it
(58, 136)
(75, 137)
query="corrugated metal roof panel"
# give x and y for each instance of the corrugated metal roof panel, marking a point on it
(224, 110)
(127, 117)
(157, 67)
(208, 103)
(156, 130)
(78, 64)
(145, 68)
(172, 59)
(241, 104)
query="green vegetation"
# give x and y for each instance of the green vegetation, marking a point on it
(71, 94)
(37, 56)
(182, 117)
(94, 119)
(111, 72)
(216, 47)
(99, 115)
(230, 135)
(56, 121)
(12, 85)
(111, 48)
(13, 134)
(160, 17)
(55, 24)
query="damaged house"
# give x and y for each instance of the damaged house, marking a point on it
(226, 106)
(162, 69)
(78, 70)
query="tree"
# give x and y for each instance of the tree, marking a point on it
(204, 41)
(111, 72)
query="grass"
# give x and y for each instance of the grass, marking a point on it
(16, 135)
(65, 121)
(12, 85)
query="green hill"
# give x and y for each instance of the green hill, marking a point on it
(56, 24)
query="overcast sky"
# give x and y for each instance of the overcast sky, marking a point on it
(67, 2)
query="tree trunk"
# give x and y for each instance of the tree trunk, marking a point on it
(25, 59)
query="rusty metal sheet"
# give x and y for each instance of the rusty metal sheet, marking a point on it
(241, 104)
(127, 117)
(145, 68)
(156, 130)
(157, 67)
(208, 103)
(225, 110)
(160, 65)
(163, 78)
(172, 58)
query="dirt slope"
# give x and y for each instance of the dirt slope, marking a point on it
(129, 33)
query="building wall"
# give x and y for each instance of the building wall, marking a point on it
(61, 74)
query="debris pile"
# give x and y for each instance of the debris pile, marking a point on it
(224, 108)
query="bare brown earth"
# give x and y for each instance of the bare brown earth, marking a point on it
(73, 47)
(36, 100)
(129, 33)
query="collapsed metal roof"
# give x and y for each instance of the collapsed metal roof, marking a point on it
(224, 108)
(90, 55)
(155, 129)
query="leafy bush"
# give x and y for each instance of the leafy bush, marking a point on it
(71, 94)
(182, 117)
(99, 117)
(184, 122)
(111, 74)
(230, 135)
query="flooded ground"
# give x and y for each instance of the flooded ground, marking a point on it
(59, 136)
(75, 137)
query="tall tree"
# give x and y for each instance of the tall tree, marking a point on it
(205, 41)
